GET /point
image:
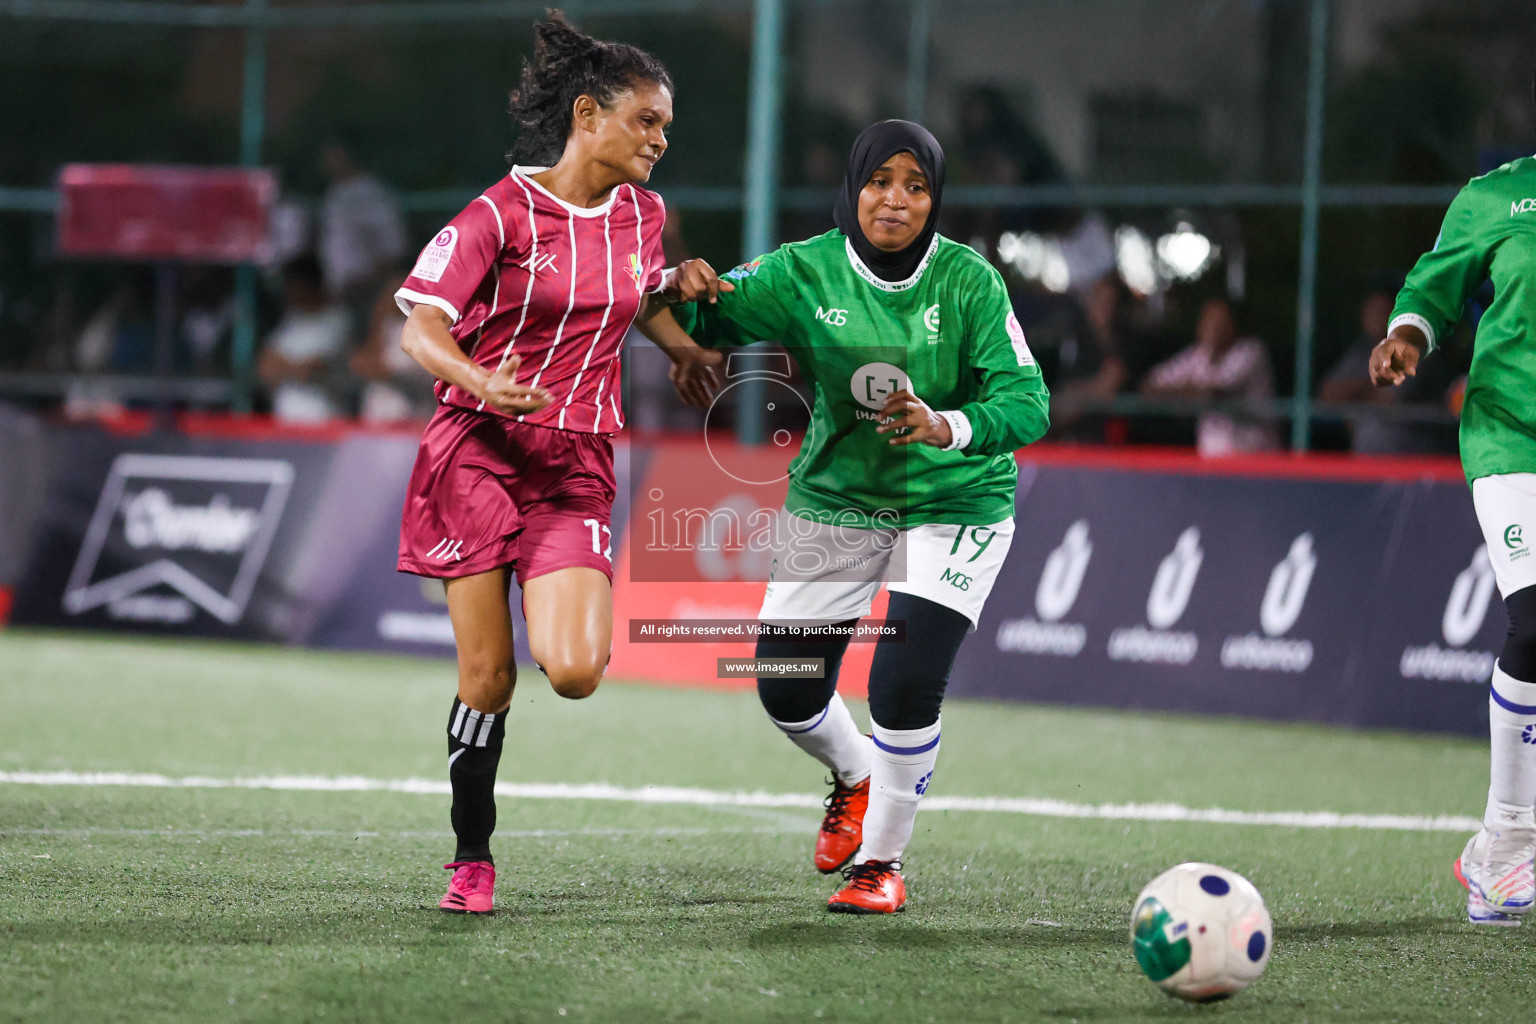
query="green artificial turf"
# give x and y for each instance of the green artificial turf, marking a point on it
(143, 904)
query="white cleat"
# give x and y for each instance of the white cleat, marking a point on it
(1479, 912)
(1498, 870)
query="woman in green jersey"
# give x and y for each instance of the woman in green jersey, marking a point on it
(924, 389)
(1490, 233)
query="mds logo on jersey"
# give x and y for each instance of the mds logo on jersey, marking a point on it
(832, 317)
(958, 580)
(173, 533)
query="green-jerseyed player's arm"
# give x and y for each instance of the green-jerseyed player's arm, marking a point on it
(1013, 407)
(1441, 282)
(752, 311)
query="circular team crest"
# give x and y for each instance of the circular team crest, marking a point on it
(873, 382)
(443, 237)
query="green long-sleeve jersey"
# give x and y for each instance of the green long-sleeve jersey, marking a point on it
(947, 334)
(1489, 232)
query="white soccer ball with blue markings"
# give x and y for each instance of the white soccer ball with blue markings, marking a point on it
(1201, 932)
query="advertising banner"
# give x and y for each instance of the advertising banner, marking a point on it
(150, 212)
(1438, 624)
(26, 462)
(173, 534)
(1355, 601)
(1279, 598)
(227, 536)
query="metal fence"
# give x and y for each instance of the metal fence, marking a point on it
(913, 30)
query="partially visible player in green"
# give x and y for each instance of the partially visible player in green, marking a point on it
(1490, 232)
(924, 389)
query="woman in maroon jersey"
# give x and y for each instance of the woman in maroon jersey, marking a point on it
(519, 307)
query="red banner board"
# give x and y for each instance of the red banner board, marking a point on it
(161, 213)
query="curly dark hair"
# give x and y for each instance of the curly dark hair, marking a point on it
(567, 64)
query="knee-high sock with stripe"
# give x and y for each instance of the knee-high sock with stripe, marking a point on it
(833, 739)
(1512, 742)
(899, 776)
(474, 751)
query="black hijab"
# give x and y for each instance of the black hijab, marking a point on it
(874, 146)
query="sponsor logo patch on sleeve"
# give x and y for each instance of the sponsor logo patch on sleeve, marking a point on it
(433, 260)
(745, 270)
(1016, 336)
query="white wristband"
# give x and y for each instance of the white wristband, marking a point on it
(1414, 320)
(667, 277)
(959, 429)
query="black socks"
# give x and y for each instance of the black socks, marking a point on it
(474, 750)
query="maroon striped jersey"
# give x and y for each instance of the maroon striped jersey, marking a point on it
(520, 270)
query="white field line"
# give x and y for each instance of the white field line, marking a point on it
(717, 798)
(327, 833)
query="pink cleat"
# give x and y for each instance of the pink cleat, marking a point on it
(472, 888)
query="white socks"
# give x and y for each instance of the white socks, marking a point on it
(903, 767)
(1512, 740)
(833, 739)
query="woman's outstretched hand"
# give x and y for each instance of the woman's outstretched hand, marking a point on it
(923, 425)
(694, 377)
(694, 281)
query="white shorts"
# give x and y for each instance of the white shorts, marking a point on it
(823, 574)
(1506, 510)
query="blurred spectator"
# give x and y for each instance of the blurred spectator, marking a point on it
(1089, 249)
(1096, 361)
(289, 230)
(120, 336)
(361, 231)
(1220, 364)
(396, 387)
(1350, 381)
(301, 356)
(207, 318)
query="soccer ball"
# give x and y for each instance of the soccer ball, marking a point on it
(1201, 932)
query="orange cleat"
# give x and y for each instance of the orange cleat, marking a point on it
(874, 887)
(842, 830)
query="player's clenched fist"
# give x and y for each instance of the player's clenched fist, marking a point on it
(1394, 359)
(502, 392)
(694, 281)
(923, 425)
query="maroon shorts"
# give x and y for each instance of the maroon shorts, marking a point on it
(488, 491)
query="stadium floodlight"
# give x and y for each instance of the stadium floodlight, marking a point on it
(1136, 260)
(1185, 253)
(1036, 258)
